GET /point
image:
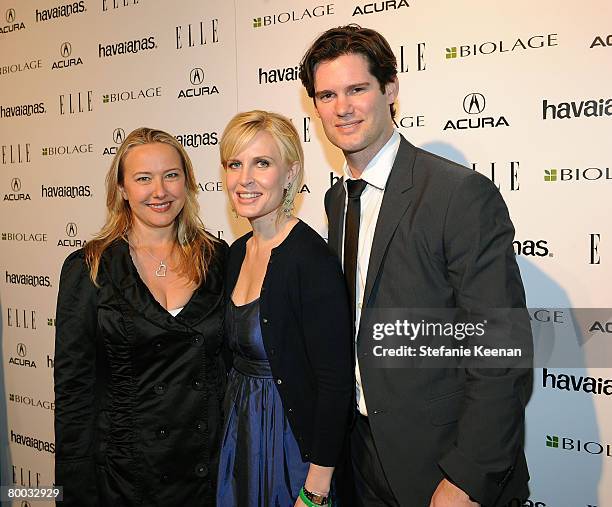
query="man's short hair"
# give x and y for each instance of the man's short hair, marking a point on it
(345, 40)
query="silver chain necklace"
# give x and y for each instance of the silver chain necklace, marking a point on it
(160, 271)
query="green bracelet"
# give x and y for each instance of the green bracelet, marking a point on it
(309, 502)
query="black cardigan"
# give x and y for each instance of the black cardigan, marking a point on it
(306, 328)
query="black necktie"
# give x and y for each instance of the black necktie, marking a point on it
(351, 236)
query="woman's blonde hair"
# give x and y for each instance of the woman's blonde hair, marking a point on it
(243, 127)
(196, 246)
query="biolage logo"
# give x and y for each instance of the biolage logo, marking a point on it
(371, 8)
(61, 11)
(577, 445)
(21, 358)
(588, 108)
(576, 383)
(578, 175)
(34, 237)
(210, 186)
(129, 95)
(12, 24)
(67, 149)
(22, 110)
(517, 502)
(31, 401)
(15, 153)
(65, 191)
(279, 75)
(604, 41)
(15, 194)
(532, 248)
(407, 122)
(67, 59)
(293, 16)
(20, 67)
(197, 34)
(27, 279)
(71, 240)
(493, 47)
(198, 139)
(196, 78)
(118, 137)
(474, 105)
(126, 47)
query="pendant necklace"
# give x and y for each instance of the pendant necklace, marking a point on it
(160, 271)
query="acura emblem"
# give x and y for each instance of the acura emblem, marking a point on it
(474, 103)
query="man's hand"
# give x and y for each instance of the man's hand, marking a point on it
(449, 495)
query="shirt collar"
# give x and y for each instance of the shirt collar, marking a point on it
(377, 171)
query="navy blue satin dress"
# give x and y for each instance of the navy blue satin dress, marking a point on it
(260, 463)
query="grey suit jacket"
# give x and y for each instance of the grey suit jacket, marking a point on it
(443, 239)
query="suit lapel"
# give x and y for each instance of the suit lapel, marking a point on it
(336, 218)
(396, 201)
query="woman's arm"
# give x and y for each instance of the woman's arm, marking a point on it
(75, 376)
(328, 341)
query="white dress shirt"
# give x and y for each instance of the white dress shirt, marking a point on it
(375, 175)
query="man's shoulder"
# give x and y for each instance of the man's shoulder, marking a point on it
(439, 166)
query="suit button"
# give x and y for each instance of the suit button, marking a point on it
(279, 381)
(307, 456)
(197, 340)
(197, 384)
(201, 426)
(272, 352)
(201, 470)
(160, 388)
(162, 433)
(158, 345)
(289, 410)
(165, 478)
(264, 320)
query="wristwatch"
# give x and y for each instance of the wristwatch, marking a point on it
(316, 498)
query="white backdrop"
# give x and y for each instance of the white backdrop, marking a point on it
(519, 91)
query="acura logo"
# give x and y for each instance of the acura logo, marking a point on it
(118, 135)
(474, 103)
(71, 229)
(21, 350)
(196, 76)
(65, 49)
(16, 184)
(10, 15)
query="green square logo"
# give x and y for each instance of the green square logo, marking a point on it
(451, 53)
(256, 22)
(552, 441)
(104, 99)
(45, 151)
(550, 175)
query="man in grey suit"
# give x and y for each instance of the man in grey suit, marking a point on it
(414, 230)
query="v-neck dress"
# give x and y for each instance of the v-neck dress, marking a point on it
(260, 463)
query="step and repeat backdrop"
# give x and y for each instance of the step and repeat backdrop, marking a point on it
(519, 91)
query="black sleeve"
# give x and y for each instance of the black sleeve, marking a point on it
(75, 376)
(484, 274)
(328, 340)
